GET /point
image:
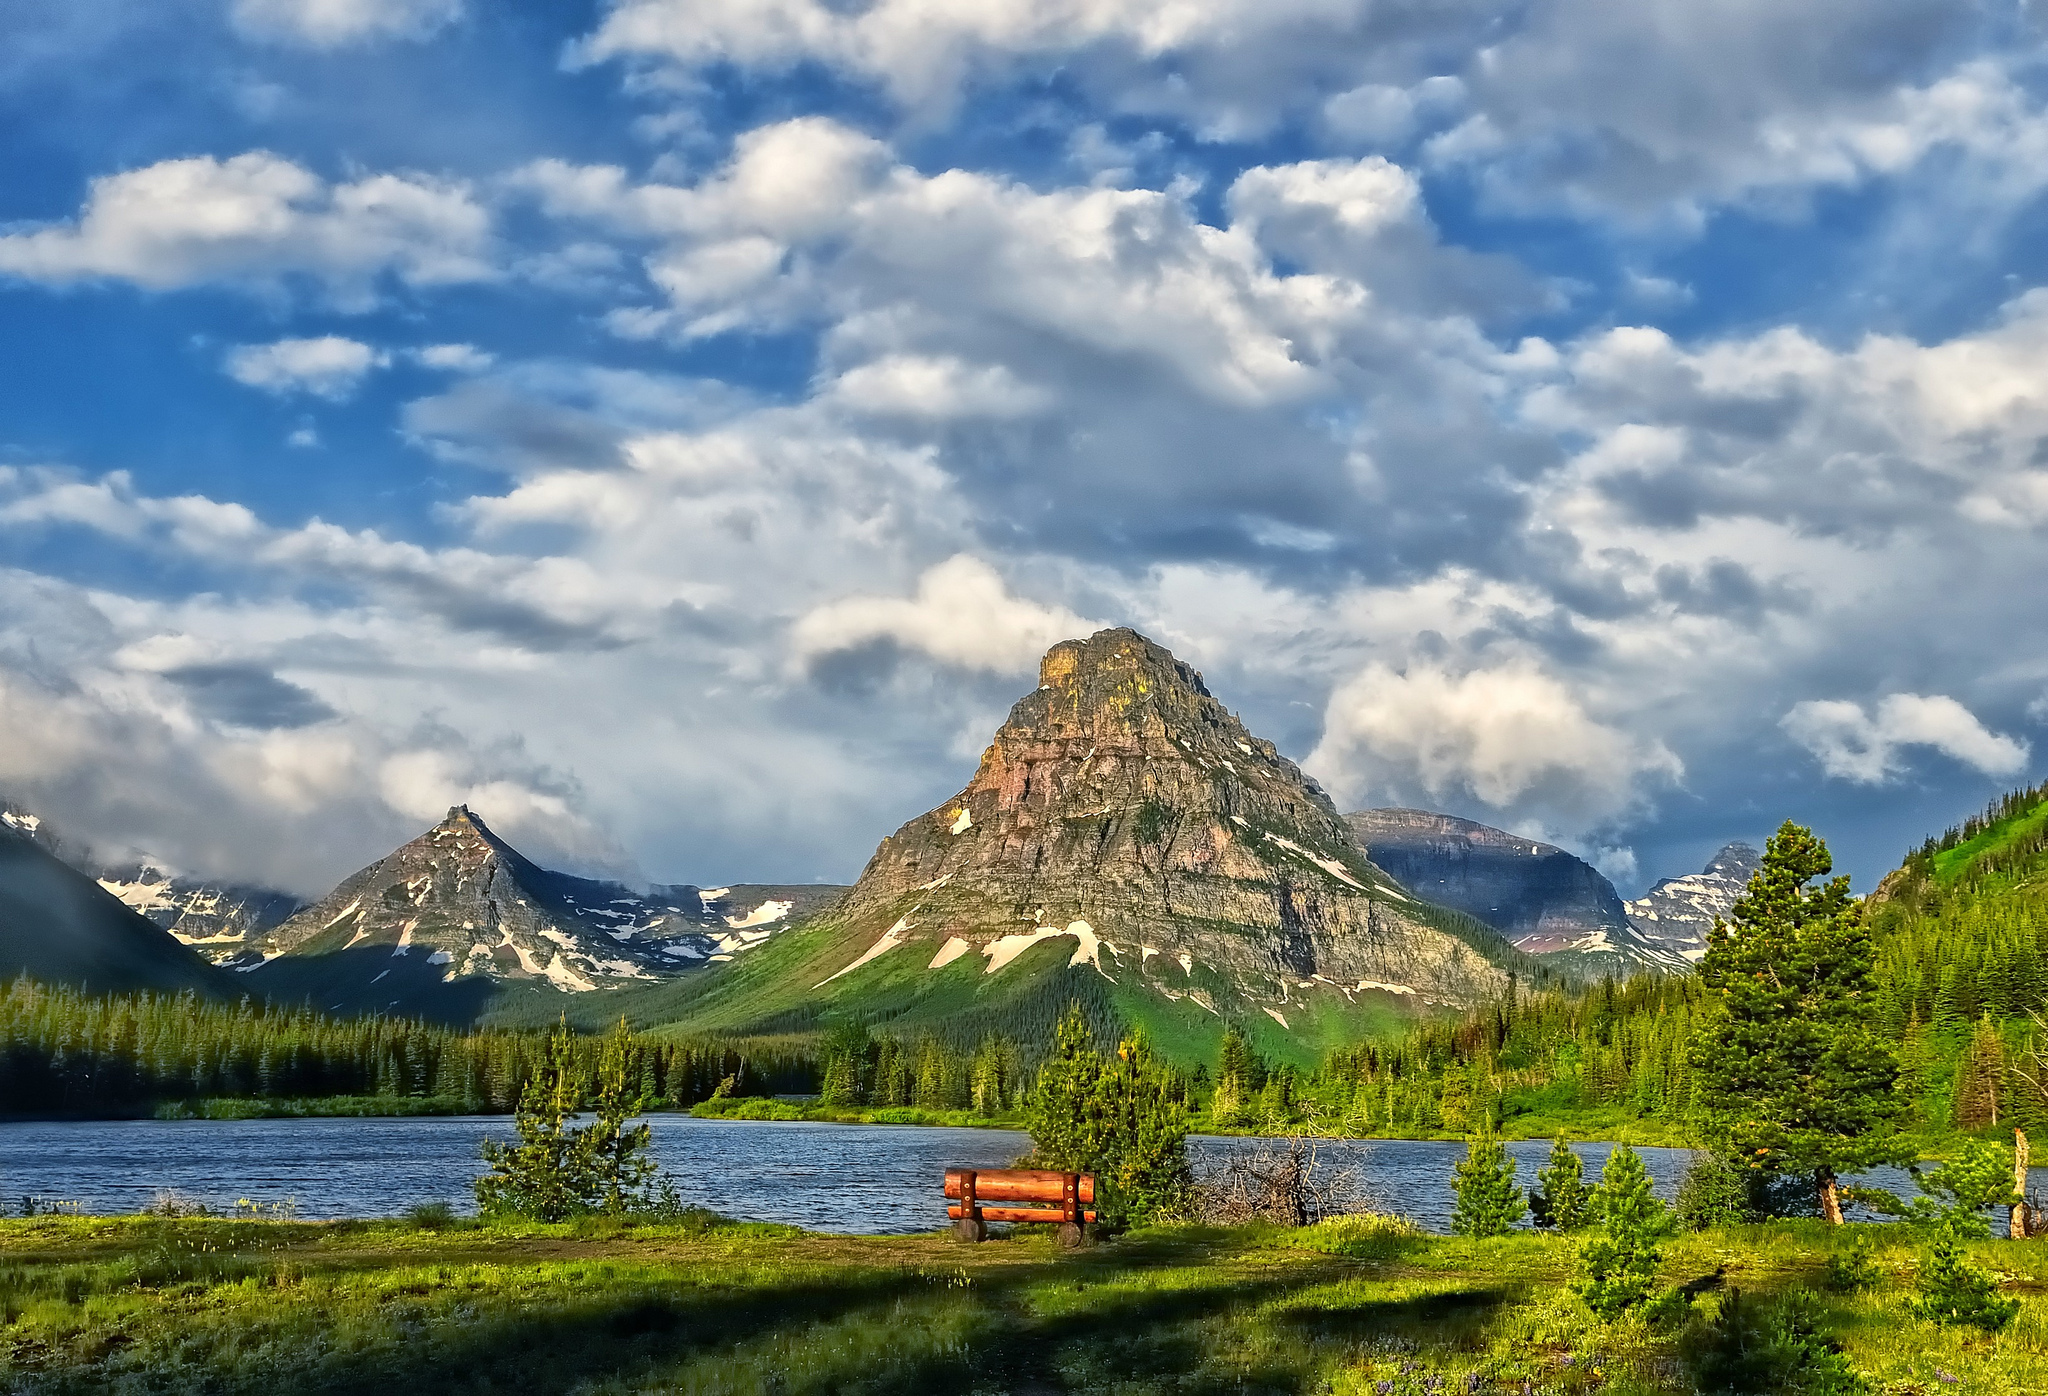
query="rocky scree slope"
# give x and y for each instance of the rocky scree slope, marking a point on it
(1540, 897)
(1125, 815)
(447, 920)
(1672, 919)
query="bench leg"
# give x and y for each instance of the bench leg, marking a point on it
(1071, 1236)
(970, 1229)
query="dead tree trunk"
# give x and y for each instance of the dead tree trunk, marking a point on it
(2020, 1209)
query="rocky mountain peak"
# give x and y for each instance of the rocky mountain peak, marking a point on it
(1121, 805)
(1675, 915)
(1539, 896)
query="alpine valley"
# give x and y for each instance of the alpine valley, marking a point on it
(1125, 843)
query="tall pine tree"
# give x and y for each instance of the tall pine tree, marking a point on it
(1791, 1068)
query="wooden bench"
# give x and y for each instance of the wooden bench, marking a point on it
(1063, 1198)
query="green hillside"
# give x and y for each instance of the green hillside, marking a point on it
(1961, 939)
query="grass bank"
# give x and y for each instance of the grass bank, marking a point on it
(194, 1305)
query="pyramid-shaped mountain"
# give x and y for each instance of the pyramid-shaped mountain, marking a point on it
(1126, 837)
(447, 922)
(60, 927)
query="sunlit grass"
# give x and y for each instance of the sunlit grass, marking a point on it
(224, 1306)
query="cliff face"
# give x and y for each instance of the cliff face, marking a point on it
(1121, 807)
(1673, 917)
(1538, 896)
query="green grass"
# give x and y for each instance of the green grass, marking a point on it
(142, 1305)
(1952, 863)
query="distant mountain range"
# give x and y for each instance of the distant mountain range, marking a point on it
(1125, 842)
(1547, 901)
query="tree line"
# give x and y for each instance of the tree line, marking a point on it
(63, 1051)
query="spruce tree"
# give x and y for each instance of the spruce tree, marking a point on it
(616, 1151)
(1489, 1203)
(1120, 1118)
(1790, 1069)
(1561, 1197)
(546, 1175)
(1618, 1265)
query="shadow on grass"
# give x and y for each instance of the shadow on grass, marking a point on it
(1144, 1314)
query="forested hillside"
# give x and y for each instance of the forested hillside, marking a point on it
(1961, 937)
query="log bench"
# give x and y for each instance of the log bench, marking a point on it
(1061, 1200)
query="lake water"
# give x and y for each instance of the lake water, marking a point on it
(858, 1178)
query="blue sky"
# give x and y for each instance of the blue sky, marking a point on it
(675, 427)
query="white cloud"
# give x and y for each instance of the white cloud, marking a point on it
(1508, 737)
(917, 385)
(454, 358)
(258, 219)
(335, 23)
(963, 614)
(1867, 747)
(330, 366)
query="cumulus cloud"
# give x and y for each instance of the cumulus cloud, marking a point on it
(1867, 747)
(257, 219)
(1674, 107)
(963, 614)
(1509, 737)
(335, 23)
(329, 367)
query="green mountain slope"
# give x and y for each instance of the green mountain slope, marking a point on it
(60, 927)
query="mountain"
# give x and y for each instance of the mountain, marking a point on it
(1540, 897)
(59, 926)
(449, 922)
(219, 920)
(1125, 841)
(1672, 919)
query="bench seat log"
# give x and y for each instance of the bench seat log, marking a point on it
(1017, 1184)
(1015, 1214)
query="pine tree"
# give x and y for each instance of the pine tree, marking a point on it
(1122, 1119)
(1791, 1069)
(1561, 1197)
(1618, 1265)
(614, 1150)
(546, 1175)
(1489, 1203)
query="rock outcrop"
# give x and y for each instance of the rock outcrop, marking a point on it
(1672, 919)
(1124, 812)
(1540, 897)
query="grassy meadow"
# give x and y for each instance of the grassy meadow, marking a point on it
(161, 1305)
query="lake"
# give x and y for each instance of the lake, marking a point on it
(854, 1178)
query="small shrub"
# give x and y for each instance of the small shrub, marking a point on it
(1711, 1194)
(1954, 1291)
(1489, 1203)
(1561, 1198)
(1775, 1349)
(169, 1202)
(1363, 1236)
(430, 1216)
(1618, 1267)
(1298, 1181)
(1851, 1269)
